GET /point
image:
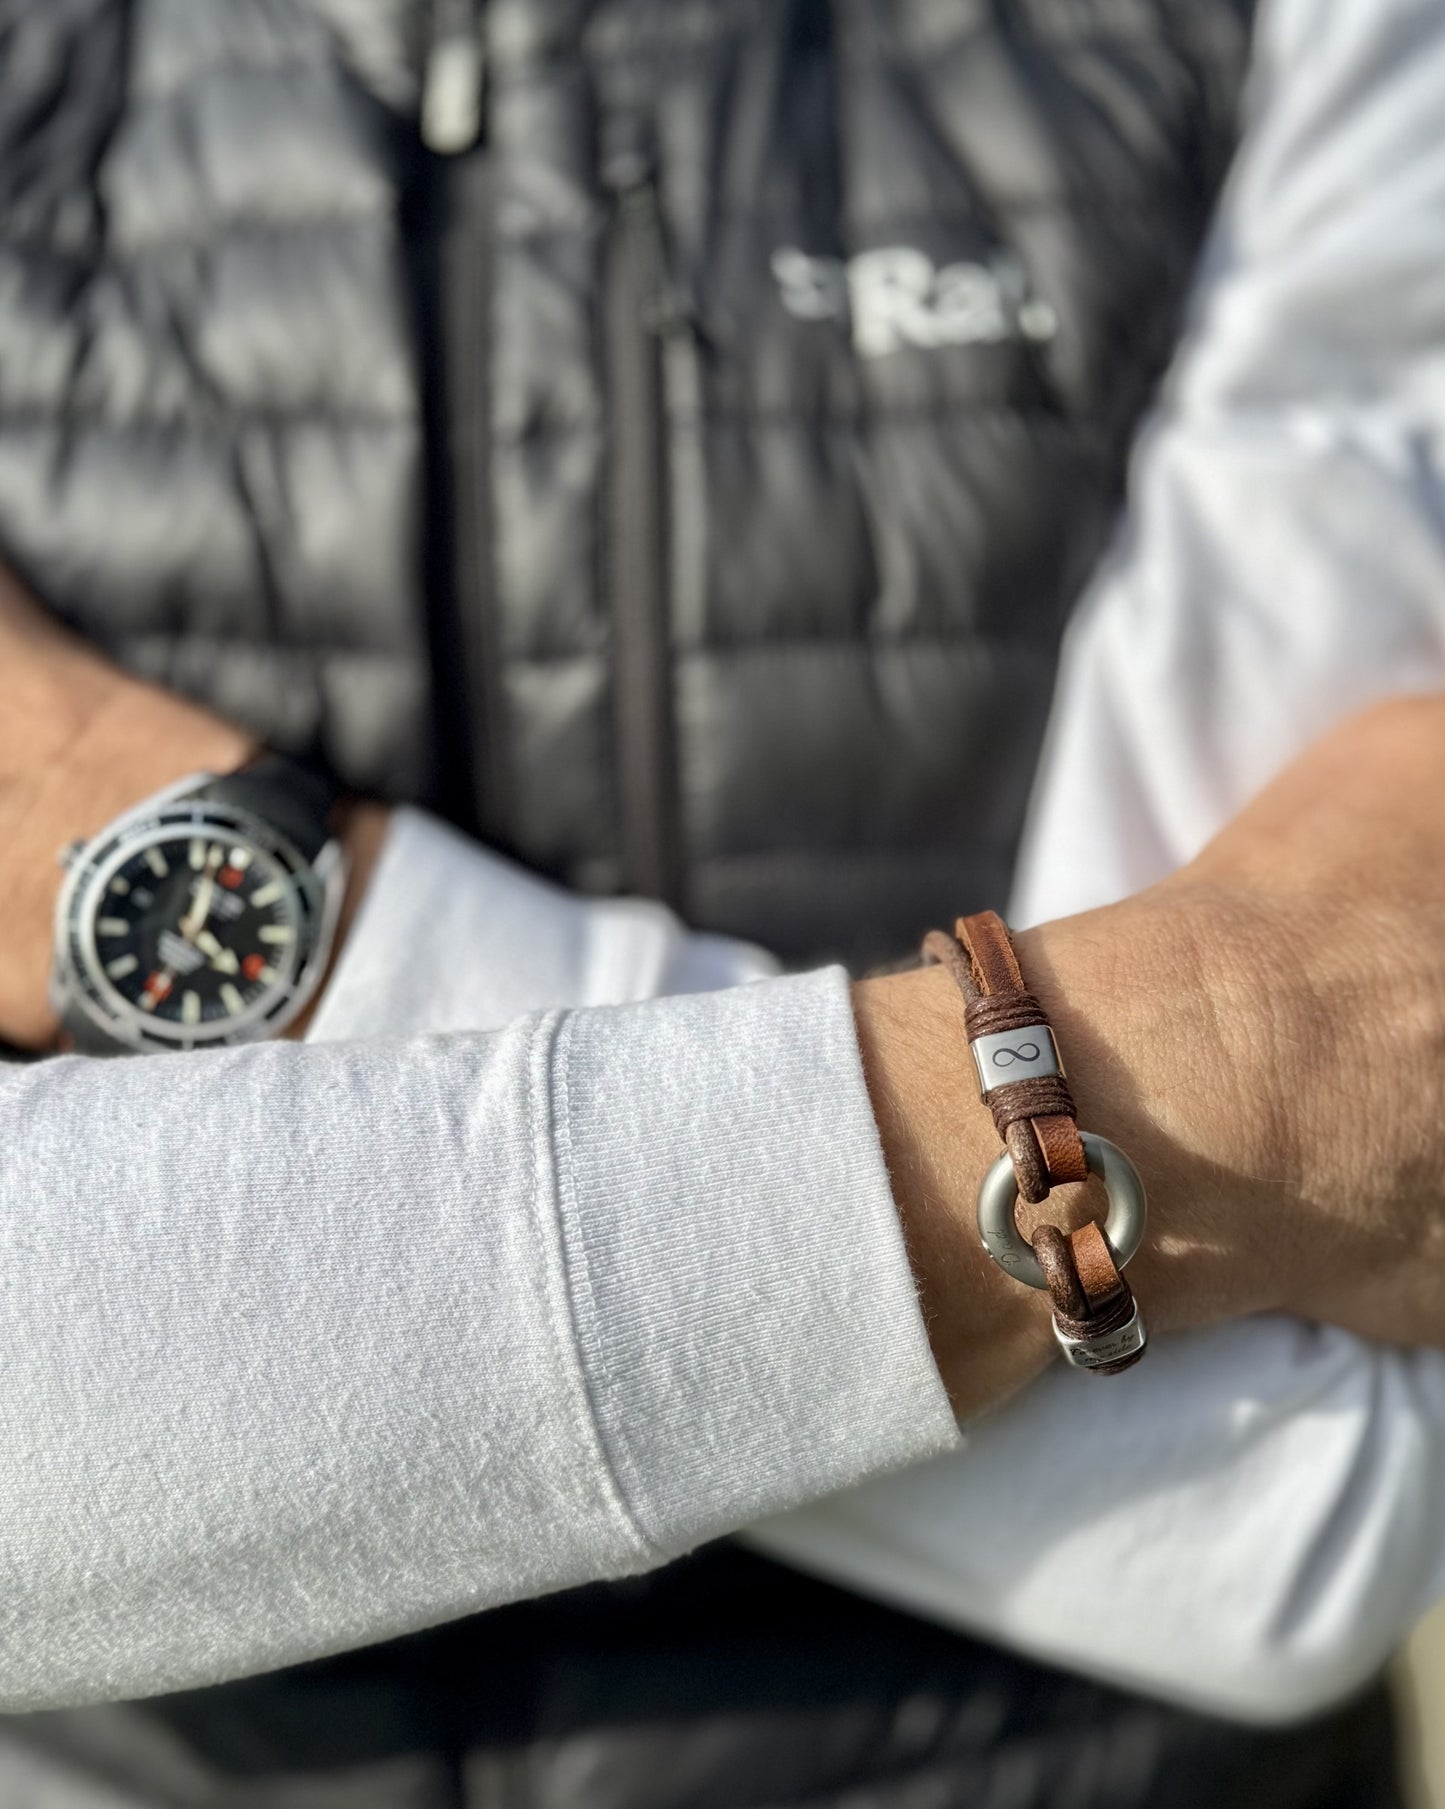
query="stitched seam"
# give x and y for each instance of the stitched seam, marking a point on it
(863, 419)
(291, 652)
(219, 232)
(226, 229)
(909, 854)
(985, 211)
(302, 57)
(990, 206)
(590, 1358)
(988, 212)
(840, 641)
(962, 411)
(967, 636)
(61, 420)
(683, 46)
(884, 414)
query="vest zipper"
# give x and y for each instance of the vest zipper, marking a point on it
(475, 664)
(640, 309)
(473, 783)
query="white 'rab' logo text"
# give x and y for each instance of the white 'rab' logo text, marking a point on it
(897, 297)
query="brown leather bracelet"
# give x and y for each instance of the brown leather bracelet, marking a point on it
(1022, 1082)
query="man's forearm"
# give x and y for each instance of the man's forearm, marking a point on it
(362, 1336)
(109, 740)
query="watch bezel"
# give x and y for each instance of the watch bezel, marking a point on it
(79, 983)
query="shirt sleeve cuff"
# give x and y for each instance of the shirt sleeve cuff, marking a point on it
(453, 937)
(744, 1307)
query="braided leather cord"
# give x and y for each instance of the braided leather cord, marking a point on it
(1035, 1120)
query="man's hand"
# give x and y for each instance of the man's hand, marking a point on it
(1327, 901)
(80, 742)
(1264, 1033)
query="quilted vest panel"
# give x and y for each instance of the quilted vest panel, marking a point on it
(686, 485)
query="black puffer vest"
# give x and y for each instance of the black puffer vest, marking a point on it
(682, 485)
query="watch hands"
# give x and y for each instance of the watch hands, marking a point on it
(190, 925)
(221, 958)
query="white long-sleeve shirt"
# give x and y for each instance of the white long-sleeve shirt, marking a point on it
(302, 1346)
(516, 1275)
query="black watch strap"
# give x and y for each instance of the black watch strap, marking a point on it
(292, 796)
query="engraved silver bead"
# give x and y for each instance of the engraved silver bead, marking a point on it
(1103, 1348)
(1005, 1056)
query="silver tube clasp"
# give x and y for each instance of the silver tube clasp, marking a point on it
(1101, 1350)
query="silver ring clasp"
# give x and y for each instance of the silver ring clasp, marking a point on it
(1123, 1228)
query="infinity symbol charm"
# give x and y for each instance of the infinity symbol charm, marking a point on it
(1029, 1047)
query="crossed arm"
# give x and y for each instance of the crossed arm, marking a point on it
(1261, 1028)
(287, 1286)
(1219, 1024)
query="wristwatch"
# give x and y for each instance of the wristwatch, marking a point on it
(202, 918)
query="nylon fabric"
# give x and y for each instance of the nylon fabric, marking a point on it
(723, 1682)
(922, 264)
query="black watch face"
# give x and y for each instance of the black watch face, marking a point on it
(195, 929)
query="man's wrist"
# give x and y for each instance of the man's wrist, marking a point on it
(362, 829)
(1137, 994)
(989, 1335)
(1142, 997)
(102, 743)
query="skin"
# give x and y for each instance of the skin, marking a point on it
(1263, 1032)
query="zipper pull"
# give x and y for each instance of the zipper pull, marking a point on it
(454, 78)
